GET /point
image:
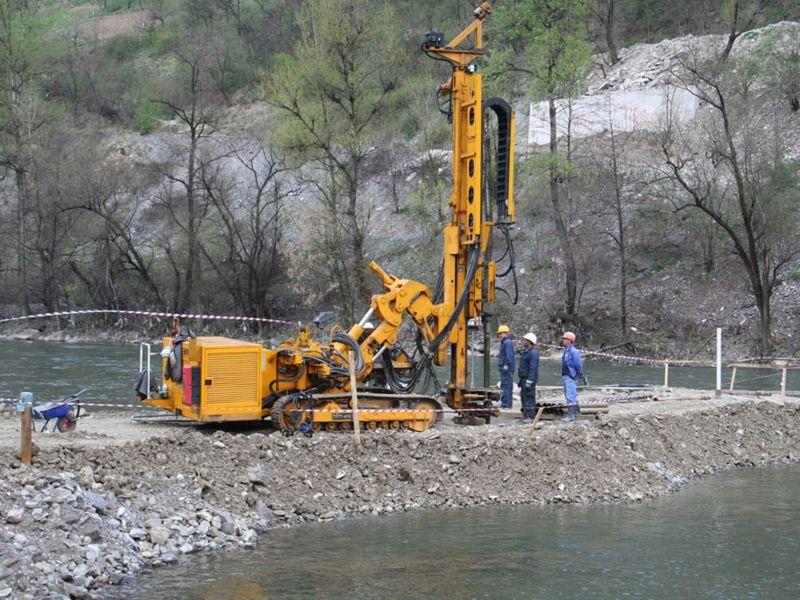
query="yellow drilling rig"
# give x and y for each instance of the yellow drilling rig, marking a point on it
(303, 385)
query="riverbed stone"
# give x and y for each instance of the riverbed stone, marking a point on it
(14, 516)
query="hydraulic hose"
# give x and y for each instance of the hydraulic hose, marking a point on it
(341, 337)
(472, 269)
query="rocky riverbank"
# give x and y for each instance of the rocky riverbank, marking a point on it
(85, 516)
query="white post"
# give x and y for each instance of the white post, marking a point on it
(719, 362)
(354, 403)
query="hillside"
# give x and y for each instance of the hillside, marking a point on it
(150, 161)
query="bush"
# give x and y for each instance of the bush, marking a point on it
(148, 114)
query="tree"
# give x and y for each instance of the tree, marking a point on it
(22, 65)
(333, 96)
(190, 96)
(615, 190)
(121, 244)
(731, 165)
(250, 211)
(604, 12)
(780, 57)
(545, 44)
(738, 16)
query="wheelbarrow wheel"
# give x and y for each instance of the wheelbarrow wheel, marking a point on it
(67, 423)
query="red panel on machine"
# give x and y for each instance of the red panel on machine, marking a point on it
(187, 385)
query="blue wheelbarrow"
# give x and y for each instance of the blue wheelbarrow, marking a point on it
(65, 411)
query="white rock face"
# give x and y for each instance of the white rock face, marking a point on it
(644, 86)
(622, 111)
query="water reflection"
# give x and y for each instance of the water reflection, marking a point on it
(730, 536)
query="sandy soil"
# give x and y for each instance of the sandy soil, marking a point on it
(108, 428)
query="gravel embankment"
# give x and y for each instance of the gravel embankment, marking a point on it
(85, 516)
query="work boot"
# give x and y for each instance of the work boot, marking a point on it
(572, 412)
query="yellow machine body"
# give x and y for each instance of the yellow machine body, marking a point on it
(227, 381)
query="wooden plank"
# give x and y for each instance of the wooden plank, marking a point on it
(733, 378)
(25, 438)
(536, 419)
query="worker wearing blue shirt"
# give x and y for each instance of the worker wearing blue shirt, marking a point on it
(506, 362)
(528, 376)
(571, 371)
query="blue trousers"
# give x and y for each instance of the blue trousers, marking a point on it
(528, 398)
(506, 387)
(570, 390)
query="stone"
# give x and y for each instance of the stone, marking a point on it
(258, 475)
(159, 535)
(249, 536)
(75, 591)
(96, 501)
(60, 495)
(263, 511)
(92, 531)
(453, 459)
(14, 516)
(25, 334)
(86, 477)
(228, 526)
(137, 533)
(6, 592)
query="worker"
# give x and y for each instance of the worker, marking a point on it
(528, 376)
(571, 371)
(506, 360)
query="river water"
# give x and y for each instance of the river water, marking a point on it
(735, 535)
(53, 369)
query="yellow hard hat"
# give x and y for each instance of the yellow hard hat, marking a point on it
(503, 329)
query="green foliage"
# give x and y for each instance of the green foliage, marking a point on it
(148, 113)
(164, 38)
(544, 41)
(335, 90)
(795, 276)
(564, 167)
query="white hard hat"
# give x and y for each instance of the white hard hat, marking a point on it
(531, 337)
(368, 326)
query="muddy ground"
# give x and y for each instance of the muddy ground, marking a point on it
(117, 497)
